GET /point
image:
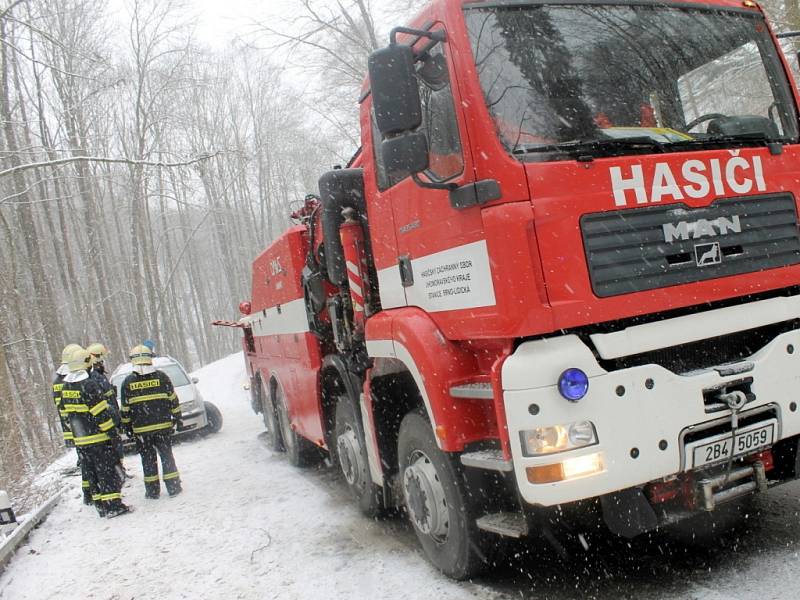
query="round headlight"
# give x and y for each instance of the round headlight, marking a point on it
(573, 384)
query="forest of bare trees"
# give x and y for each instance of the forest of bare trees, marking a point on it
(141, 170)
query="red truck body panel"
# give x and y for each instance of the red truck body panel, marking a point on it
(285, 349)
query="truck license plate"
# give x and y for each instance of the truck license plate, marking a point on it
(748, 440)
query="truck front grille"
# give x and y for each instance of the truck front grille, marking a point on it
(647, 248)
(706, 353)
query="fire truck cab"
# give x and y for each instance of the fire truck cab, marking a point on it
(562, 271)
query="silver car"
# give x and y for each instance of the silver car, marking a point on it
(196, 413)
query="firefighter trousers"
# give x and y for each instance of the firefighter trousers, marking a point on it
(104, 480)
(90, 496)
(150, 446)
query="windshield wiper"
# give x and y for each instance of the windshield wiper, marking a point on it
(595, 148)
(587, 150)
(743, 139)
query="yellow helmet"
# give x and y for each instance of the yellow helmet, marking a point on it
(66, 353)
(98, 352)
(80, 360)
(141, 355)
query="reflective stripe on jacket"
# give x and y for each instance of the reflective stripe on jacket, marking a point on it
(149, 402)
(58, 385)
(87, 411)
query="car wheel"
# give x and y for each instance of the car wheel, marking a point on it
(436, 503)
(214, 417)
(300, 451)
(351, 451)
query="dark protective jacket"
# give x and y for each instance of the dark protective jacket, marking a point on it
(58, 383)
(87, 412)
(149, 403)
(109, 394)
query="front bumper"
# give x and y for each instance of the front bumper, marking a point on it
(192, 419)
(643, 415)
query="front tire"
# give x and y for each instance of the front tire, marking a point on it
(351, 451)
(214, 417)
(436, 502)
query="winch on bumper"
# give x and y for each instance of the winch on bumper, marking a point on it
(646, 423)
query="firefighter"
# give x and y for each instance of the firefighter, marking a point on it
(92, 429)
(98, 373)
(150, 411)
(58, 384)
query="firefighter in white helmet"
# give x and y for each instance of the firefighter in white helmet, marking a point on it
(58, 384)
(61, 372)
(150, 411)
(92, 429)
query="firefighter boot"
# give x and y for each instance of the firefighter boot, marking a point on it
(152, 487)
(172, 481)
(87, 494)
(117, 508)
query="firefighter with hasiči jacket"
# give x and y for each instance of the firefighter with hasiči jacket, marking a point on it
(98, 373)
(92, 429)
(150, 411)
(58, 384)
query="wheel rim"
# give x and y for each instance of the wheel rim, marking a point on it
(286, 426)
(350, 455)
(425, 497)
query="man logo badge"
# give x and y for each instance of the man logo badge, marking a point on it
(707, 254)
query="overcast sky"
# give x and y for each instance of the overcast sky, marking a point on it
(220, 21)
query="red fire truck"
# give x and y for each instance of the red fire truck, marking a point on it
(559, 276)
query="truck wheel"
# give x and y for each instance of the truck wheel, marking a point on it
(300, 451)
(274, 441)
(351, 449)
(436, 502)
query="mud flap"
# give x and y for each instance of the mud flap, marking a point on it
(628, 513)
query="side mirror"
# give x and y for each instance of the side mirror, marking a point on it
(405, 154)
(195, 380)
(395, 93)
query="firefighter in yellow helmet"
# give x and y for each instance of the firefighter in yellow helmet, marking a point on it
(98, 373)
(58, 384)
(150, 411)
(92, 431)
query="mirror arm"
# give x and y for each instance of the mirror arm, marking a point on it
(434, 36)
(431, 185)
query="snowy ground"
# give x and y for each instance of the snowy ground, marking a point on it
(249, 526)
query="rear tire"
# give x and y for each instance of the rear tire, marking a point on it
(273, 436)
(300, 451)
(436, 502)
(214, 417)
(351, 450)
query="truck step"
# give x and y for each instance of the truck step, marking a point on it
(480, 391)
(509, 524)
(491, 460)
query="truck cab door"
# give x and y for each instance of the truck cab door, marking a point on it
(441, 262)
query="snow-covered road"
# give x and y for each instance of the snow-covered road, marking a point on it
(247, 526)
(250, 526)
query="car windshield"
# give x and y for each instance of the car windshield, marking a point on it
(622, 79)
(176, 375)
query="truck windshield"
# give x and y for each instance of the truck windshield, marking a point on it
(600, 80)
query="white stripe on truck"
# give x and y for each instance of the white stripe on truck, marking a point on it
(279, 320)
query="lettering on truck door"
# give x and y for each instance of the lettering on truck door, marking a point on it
(443, 248)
